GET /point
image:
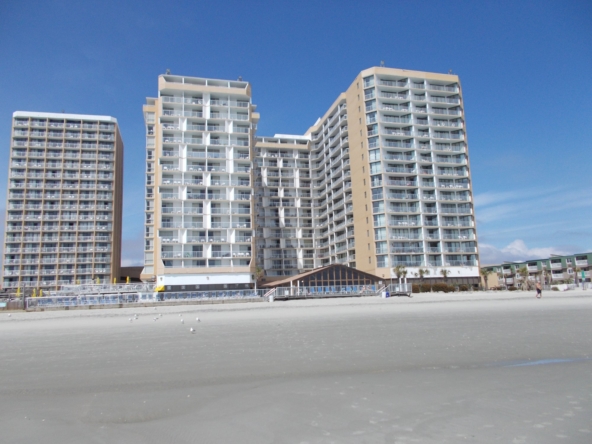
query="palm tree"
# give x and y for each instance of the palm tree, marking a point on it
(400, 271)
(445, 273)
(259, 272)
(501, 277)
(576, 270)
(422, 272)
(523, 272)
(485, 274)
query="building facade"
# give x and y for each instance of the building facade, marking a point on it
(199, 211)
(556, 269)
(381, 180)
(64, 200)
(388, 179)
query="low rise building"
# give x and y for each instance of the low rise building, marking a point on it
(553, 270)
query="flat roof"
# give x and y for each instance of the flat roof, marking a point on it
(63, 116)
(290, 136)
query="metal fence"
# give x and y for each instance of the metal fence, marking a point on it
(82, 300)
(71, 290)
(329, 291)
(200, 295)
(397, 289)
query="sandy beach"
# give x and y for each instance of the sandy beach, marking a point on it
(436, 368)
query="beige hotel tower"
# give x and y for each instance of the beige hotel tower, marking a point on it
(64, 201)
(381, 180)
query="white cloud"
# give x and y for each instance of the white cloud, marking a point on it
(491, 197)
(511, 205)
(517, 251)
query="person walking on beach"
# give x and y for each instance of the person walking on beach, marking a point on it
(539, 290)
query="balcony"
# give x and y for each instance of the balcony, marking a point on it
(398, 157)
(393, 83)
(443, 88)
(396, 96)
(399, 170)
(391, 107)
(465, 263)
(396, 144)
(392, 132)
(460, 249)
(396, 263)
(454, 101)
(406, 250)
(404, 236)
(448, 112)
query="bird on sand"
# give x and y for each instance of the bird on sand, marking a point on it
(192, 330)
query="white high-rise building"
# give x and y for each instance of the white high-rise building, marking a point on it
(199, 213)
(381, 181)
(64, 200)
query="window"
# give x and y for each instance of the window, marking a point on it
(381, 247)
(380, 233)
(379, 220)
(378, 206)
(376, 181)
(375, 168)
(382, 261)
(374, 155)
(377, 193)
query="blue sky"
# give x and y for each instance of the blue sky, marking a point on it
(524, 65)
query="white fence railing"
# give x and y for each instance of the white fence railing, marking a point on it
(70, 290)
(402, 288)
(328, 291)
(139, 297)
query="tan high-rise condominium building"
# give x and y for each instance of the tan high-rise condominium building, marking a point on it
(199, 209)
(381, 180)
(64, 200)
